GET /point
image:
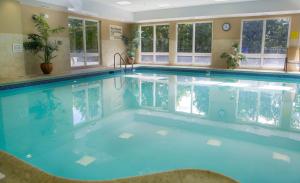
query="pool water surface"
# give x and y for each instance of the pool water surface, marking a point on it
(143, 122)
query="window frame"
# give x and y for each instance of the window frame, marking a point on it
(193, 54)
(85, 54)
(262, 55)
(154, 53)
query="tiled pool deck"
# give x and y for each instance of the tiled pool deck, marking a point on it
(13, 170)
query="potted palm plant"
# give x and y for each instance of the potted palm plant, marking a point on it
(132, 44)
(233, 59)
(39, 43)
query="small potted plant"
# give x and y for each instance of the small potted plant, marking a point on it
(233, 59)
(132, 44)
(39, 43)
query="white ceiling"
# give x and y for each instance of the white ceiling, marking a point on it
(150, 11)
(145, 5)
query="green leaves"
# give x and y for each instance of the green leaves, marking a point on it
(132, 43)
(234, 57)
(39, 43)
(35, 43)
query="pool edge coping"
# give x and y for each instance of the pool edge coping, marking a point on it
(64, 77)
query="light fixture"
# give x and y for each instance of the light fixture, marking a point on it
(123, 2)
(164, 5)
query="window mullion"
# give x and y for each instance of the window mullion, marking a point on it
(84, 43)
(263, 43)
(194, 40)
(154, 43)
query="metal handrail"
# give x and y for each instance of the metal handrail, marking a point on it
(121, 60)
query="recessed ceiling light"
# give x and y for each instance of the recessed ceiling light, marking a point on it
(123, 2)
(164, 5)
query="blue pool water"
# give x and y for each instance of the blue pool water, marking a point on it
(121, 125)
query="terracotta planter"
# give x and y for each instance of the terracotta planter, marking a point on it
(46, 68)
(130, 60)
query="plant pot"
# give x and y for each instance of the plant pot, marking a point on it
(130, 60)
(46, 68)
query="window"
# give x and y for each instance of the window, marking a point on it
(84, 42)
(194, 43)
(264, 42)
(155, 44)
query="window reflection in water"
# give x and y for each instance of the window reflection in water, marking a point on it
(87, 102)
(184, 98)
(162, 96)
(191, 96)
(147, 93)
(270, 108)
(256, 102)
(247, 111)
(154, 93)
(296, 110)
(259, 106)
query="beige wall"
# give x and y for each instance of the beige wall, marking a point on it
(16, 23)
(10, 32)
(222, 40)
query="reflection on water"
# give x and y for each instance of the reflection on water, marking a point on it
(256, 102)
(156, 122)
(87, 104)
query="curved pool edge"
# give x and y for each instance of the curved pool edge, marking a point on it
(15, 170)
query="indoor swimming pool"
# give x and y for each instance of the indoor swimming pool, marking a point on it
(119, 125)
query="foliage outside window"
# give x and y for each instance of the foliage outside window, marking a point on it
(84, 42)
(155, 44)
(185, 38)
(203, 38)
(265, 42)
(194, 43)
(147, 38)
(162, 38)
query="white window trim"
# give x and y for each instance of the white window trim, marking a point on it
(193, 54)
(85, 54)
(154, 53)
(262, 55)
